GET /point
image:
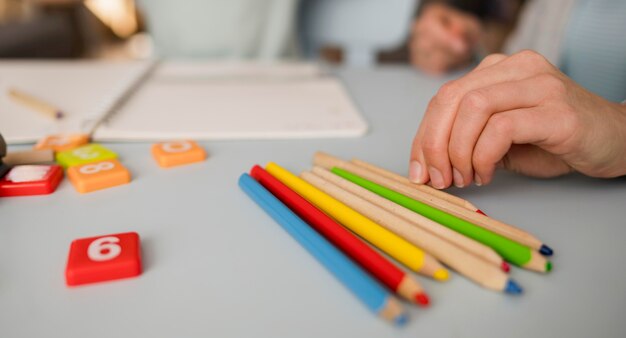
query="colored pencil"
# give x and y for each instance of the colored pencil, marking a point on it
(421, 187)
(372, 294)
(471, 246)
(511, 251)
(378, 266)
(402, 251)
(470, 266)
(35, 104)
(478, 219)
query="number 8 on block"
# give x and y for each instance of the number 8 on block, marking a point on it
(98, 175)
(103, 258)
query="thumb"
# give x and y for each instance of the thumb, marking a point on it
(533, 161)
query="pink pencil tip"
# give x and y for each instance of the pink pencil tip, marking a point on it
(422, 299)
(505, 266)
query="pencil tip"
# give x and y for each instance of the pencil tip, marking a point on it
(401, 319)
(58, 114)
(512, 288)
(548, 266)
(255, 172)
(546, 250)
(441, 275)
(480, 212)
(422, 299)
(505, 266)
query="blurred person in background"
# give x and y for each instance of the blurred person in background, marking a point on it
(546, 107)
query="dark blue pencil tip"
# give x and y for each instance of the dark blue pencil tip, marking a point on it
(545, 250)
(512, 288)
(401, 320)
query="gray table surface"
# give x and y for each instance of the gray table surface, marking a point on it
(217, 266)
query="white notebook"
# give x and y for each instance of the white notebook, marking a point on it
(196, 100)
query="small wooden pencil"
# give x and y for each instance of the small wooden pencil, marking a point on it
(35, 104)
(378, 266)
(472, 267)
(471, 246)
(398, 248)
(29, 157)
(421, 187)
(501, 228)
(512, 251)
(372, 294)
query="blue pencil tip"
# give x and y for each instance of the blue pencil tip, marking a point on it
(512, 288)
(546, 250)
(401, 320)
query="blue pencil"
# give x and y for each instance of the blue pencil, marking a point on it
(372, 294)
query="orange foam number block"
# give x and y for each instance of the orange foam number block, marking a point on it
(98, 175)
(62, 142)
(170, 154)
(103, 258)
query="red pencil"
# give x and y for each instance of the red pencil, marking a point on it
(378, 266)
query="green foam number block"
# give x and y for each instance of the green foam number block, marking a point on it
(86, 154)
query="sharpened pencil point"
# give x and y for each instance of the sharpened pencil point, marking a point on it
(441, 275)
(505, 266)
(546, 250)
(401, 319)
(480, 212)
(58, 114)
(548, 266)
(422, 299)
(512, 288)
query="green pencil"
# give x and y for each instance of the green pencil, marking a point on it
(511, 251)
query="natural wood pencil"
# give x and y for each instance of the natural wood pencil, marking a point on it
(393, 245)
(421, 187)
(35, 104)
(471, 246)
(472, 267)
(29, 157)
(327, 161)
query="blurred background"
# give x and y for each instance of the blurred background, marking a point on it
(339, 31)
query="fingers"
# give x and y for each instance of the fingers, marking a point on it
(438, 41)
(533, 161)
(433, 137)
(475, 109)
(519, 126)
(490, 60)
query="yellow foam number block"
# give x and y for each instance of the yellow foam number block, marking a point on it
(98, 175)
(83, 155)
(170, 154)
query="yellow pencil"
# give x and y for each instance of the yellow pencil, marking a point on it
(35, 104)
(421, 187)
(404, 252)
(471, 246)
(470, 266)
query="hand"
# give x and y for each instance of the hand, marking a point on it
(522, 113)
(443, 38)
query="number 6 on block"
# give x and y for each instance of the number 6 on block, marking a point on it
(98, 175)
(103, 258)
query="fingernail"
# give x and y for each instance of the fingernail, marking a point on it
(477, 180)
(415, 172)
(458, 178)
(435, 177)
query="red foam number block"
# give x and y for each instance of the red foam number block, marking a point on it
(103, 258)
(25, 180)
